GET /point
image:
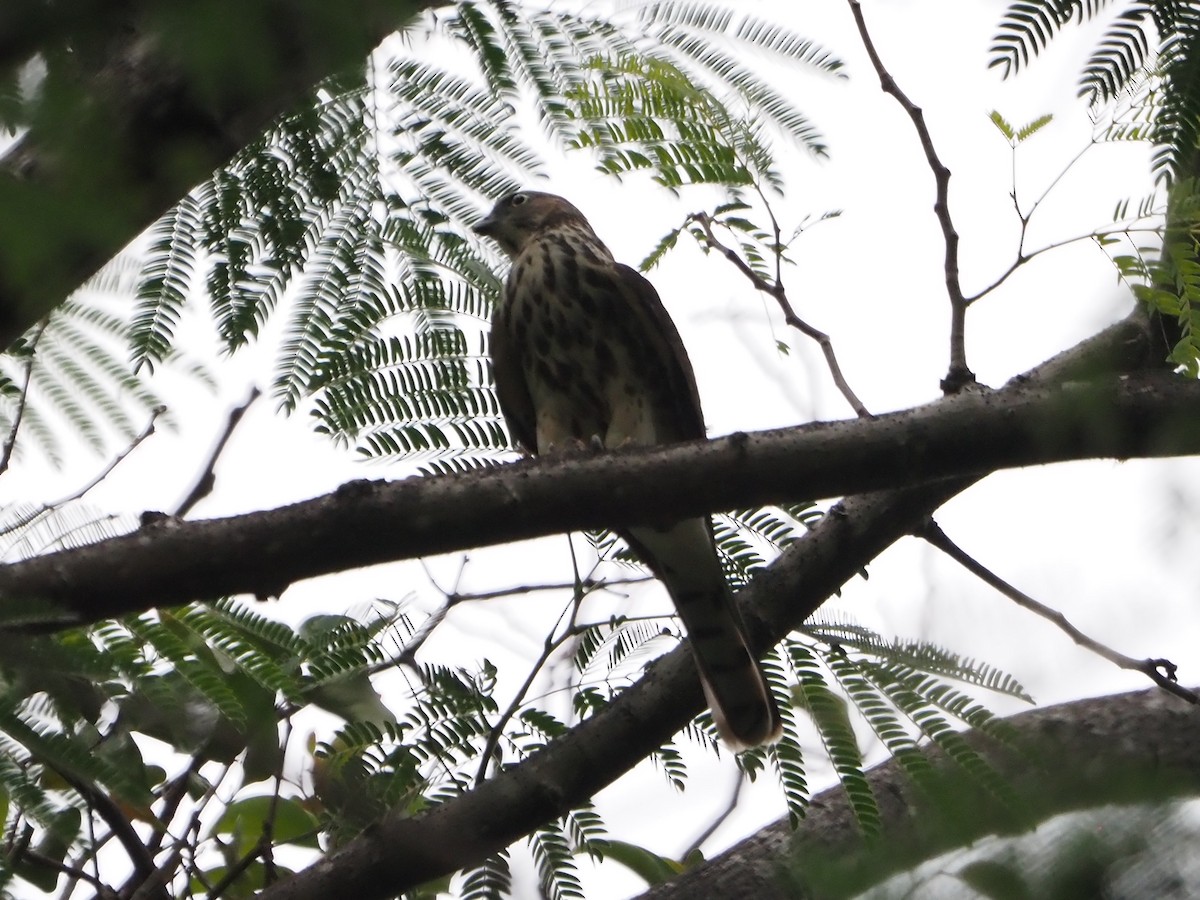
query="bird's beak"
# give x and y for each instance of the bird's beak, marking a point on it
(485, 226)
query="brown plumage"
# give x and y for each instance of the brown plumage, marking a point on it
(583, 351)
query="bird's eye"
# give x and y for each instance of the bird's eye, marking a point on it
(517, 199)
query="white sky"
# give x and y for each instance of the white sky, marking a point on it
(1105, 543)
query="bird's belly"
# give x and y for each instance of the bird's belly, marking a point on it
(583, 382)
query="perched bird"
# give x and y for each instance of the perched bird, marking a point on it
(583, 352)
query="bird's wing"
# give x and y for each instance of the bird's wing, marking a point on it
(687, 418)
(511, 388)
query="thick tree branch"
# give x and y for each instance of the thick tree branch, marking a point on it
(398, 854)
(1131, 748)
(147, 121)
(363, 523)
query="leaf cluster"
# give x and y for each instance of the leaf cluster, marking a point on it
(349, 217)
(69, 377)
(218, 685)
(1154, 40)
(1167, 277)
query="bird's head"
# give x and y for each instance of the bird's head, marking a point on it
(519, 218)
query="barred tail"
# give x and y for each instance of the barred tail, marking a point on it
(684, 557)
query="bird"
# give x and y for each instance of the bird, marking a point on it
(585, 354)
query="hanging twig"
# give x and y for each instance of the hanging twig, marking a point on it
(1161, 671)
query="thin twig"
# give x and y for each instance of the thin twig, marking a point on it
(589, 584)
(549, 647)
(1023, 257)
(172, 795)
(144, 436)
(34, 515)
(779, 293)
(730, 806)
(408, 654)
(1161, 671)
(10, 442)
(959, 375)
(103, 891)
(1025, 218)
(204, 484)
(1055, 181)
(107, 809)
(497, 730)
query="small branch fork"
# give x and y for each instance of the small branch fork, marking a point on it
(959, 375)
(1161, 671)
(779, 293)
(207, 478)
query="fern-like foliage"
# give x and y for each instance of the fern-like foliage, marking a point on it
(1167, 277)
(489, 881)
(555, 863)
(214, 683)
(69, 376)
(1159, 38)
(1028, 26)
(844, 676)
(355, 210)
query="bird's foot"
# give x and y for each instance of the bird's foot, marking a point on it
(576, 447)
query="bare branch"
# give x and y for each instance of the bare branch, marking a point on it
(1160, 671)
(778, 292)
(959, 374)
(204, 484)
(364, 523)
